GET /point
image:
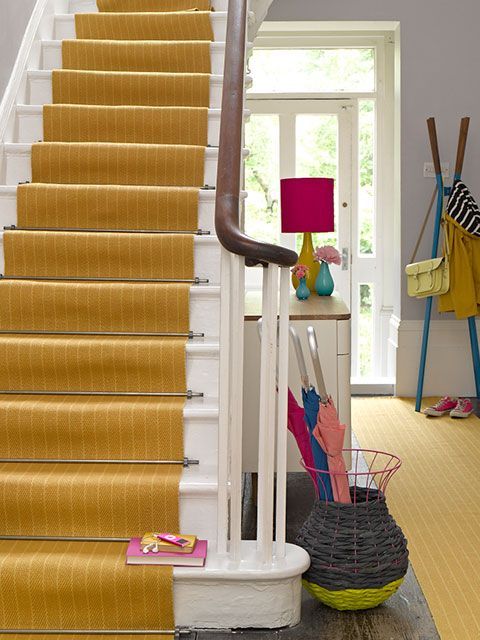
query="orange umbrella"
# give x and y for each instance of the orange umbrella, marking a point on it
(330, 433)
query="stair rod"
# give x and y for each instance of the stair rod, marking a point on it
(186, 462)
(160, 394)
(195, 280)
(196, 232)
(79, 632)
(162, 334)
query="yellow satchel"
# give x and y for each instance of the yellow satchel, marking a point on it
(429, 277)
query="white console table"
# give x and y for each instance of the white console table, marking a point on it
(331, 318)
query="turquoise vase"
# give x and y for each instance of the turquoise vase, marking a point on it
(324, 284)
(302, 292)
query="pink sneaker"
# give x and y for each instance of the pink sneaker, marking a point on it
(442, 407)
(463, 409)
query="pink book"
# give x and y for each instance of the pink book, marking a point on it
(135, 555)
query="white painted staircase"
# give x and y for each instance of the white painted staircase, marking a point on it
(241, 585)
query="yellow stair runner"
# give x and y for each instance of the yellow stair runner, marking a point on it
(123, 150)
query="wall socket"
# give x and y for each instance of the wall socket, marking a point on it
(429, 171)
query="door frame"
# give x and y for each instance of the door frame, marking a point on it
(384, 38)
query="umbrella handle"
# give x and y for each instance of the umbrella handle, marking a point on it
(317, 367)
(300, 358)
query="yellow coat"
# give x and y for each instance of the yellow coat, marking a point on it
(463, 296)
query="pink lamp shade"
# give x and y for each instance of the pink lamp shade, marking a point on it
(307, 205)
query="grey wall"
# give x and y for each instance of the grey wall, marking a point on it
(440, 70)
(14, 16)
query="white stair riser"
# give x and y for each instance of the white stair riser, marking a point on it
(18, 164)
(201, 440)
(52, 55)
(198, 513)
(206, 209)
(205, 310)
(64, 26)
(202, 370)
(30, 125)
(39, 89)
(90, 6)
(206, 258)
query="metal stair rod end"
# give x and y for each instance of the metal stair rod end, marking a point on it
(187, 462)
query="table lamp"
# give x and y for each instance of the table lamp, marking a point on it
(307, 206)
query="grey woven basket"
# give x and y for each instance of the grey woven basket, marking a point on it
(354, 546)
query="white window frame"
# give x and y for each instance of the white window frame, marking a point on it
(381, 37)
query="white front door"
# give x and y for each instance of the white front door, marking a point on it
(310, 138)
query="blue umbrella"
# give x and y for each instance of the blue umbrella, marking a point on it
(311, 405)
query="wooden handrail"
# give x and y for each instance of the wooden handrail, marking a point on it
(227, 206)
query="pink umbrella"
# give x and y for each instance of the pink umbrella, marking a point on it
(329, 433)
(298, 427)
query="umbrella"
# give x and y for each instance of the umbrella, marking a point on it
(329, 434)
(311, 404)
(298, 427)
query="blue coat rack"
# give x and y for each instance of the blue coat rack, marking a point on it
(442, 192)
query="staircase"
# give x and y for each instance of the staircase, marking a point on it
(91, 397)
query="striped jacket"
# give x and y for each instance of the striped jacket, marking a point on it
(463, 208)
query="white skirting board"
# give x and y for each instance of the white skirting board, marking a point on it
(449, 368)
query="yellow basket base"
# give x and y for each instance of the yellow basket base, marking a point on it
(352, 599)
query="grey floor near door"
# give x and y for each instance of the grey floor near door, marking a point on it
(405, 616)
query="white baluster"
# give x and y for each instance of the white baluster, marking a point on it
(266, 445)
(224, 405)
(236, 403)
(282, 412)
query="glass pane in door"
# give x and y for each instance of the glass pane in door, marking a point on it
(366, 329)
(366, 186)
(262, 178)
(313, 70)
(317, 156)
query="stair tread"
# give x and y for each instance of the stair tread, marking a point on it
(95, 255)
(93, 364)
(47, 73)
(87, 500)
(85, 636)
(90, 500)
(37, 109)
(86, 584)
(194, 479)
(90, 428)
(58, 43)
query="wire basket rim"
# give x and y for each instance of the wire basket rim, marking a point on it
(387, 469)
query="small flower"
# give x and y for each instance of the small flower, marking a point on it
(299, 270)
(327, 254)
